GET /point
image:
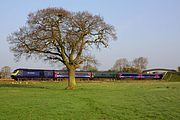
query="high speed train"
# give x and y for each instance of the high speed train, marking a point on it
(41, 74)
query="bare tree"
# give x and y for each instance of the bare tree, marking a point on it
(58, 35)
(6, 72)
(140, 62)
(89, 68)
(90, 63)
(120, 64)
(131, 69)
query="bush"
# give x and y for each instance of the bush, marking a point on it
(172, 76)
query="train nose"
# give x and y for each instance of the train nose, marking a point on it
(13, 77)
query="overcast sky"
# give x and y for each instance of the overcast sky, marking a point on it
(148, 28)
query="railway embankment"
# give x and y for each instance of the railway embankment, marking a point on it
(172, 76)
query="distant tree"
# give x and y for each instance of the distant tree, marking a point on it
(90, 63)
(6, 72)
(89, 68)
(131, 69)
(178, 68)
(140, 63)
(93, 68)
(58, 35)
(120, 64)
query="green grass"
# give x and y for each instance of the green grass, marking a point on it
(170, 76)
(155, 100)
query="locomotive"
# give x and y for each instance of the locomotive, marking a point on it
(41, 74)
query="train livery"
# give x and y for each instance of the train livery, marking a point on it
(64, 74)
(40, 74)
(139, 76)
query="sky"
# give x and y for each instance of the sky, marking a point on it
(147, 28)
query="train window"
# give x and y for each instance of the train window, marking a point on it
(31, 72)
(20, 72)
(130, 74)
(15, 71)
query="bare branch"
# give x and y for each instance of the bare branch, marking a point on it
(56, 34)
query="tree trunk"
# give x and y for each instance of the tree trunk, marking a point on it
(71, 79)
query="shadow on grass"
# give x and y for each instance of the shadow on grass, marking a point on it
(22, 86)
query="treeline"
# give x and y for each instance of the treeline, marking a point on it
(121, 65)
(136, 65)
(5, 72)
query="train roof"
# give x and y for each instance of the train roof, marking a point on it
(33, 69)
(45, 70)
(159, 69)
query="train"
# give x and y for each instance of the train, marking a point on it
(41, 74)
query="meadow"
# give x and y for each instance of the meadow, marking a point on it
(125, 100)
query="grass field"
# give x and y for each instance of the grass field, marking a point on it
(149, 100)
(172, 77)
